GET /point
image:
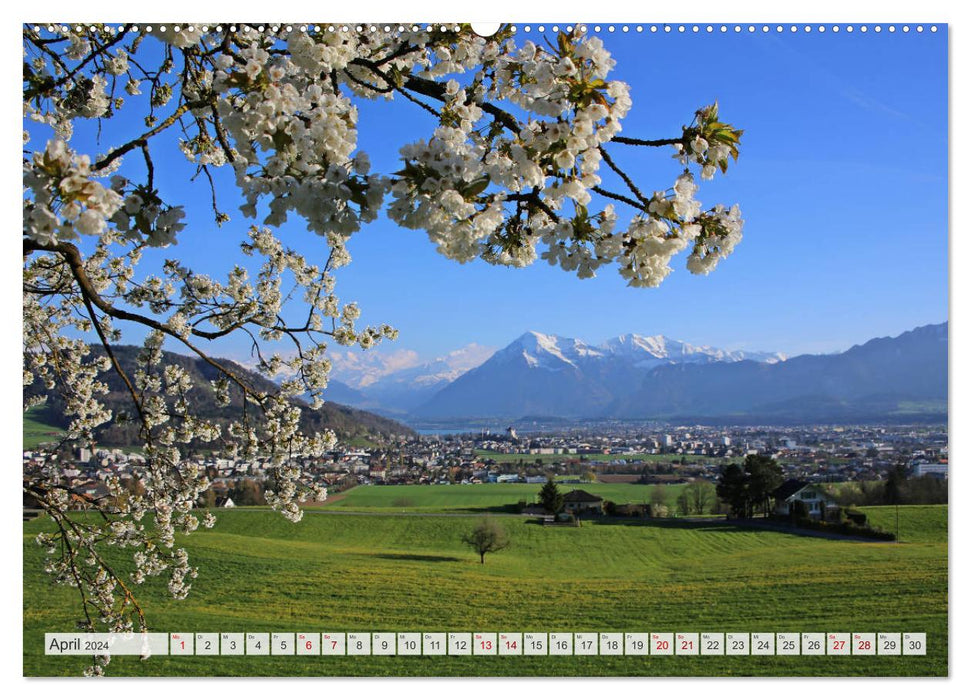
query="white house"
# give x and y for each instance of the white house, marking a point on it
(814, 498)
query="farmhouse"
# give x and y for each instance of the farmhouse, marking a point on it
(792, 491)
(579, 501)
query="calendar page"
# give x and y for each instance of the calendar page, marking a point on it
(448, 349)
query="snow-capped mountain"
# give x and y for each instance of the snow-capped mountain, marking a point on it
(551, 352)
(358, 369)
(653, 377)
(550, 375)
(546, 372)
(653, 350)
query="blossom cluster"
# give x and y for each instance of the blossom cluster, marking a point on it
(66, 200)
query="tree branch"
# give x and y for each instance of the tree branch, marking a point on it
(645, 142)
(138, 142)
(619, 197)
(626, 178)
(72, 256)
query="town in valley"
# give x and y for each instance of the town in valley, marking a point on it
(663, 455)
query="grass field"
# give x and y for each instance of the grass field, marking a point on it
(334, 572)
(472, 498)
(36, 431)
(917, 523)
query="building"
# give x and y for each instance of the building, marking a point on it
(938, 471)
(815, 500)
(580, 502)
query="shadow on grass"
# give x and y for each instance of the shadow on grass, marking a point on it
(415, 557)
(509, 508)
(712, 525)
(724, 525)
(673, 523)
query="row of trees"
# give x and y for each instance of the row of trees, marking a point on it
(897, 489)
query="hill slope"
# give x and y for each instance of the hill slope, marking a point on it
(346, 422)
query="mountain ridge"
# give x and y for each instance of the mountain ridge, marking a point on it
(400, 392)
(651, 377)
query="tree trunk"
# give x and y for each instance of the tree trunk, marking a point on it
(482, 557)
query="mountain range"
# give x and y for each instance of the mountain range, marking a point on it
(549, 375)
(638, 377)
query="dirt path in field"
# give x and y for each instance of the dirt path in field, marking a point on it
(337, 498)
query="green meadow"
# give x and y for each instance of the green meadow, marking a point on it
(37, 430)
(410, 572)
(473, 498)
(915, 523)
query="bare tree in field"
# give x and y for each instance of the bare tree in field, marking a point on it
(701, 495)
(487, 536)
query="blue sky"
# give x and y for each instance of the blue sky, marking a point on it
(842, 181)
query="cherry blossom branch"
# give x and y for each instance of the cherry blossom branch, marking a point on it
(646, 142)
(72, 256)
(624, 176)
(138, 142)
(619, 197)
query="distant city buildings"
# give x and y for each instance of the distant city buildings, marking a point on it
(612, 452)
(929, 469)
